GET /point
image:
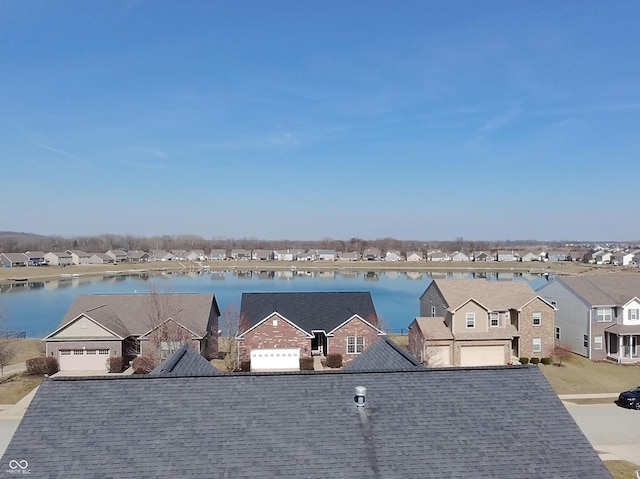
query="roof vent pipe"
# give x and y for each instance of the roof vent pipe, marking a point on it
(361, 392)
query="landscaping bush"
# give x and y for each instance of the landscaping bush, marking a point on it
(535, 360)
(306, 364)
(245, 366)
(334, 360)
(42, 365)
(143, 365)
(524, 360)
(546, 361)
(116, 364)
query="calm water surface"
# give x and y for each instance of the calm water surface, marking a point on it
(38, 307)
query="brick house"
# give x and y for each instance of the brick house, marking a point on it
(98, 326)
(474, 322)
(280, 328)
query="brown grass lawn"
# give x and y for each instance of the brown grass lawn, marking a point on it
(621, 469)
(17, 386)
(27, 349)
(578, 375)
(400, 339)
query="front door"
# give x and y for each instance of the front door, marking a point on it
(319, 343)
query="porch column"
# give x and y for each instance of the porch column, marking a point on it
(620, 351)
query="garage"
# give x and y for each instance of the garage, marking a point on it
(282, 359)
(438, 356)
(481, 355)
(83, 359)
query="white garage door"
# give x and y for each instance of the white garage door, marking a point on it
(481, 355)
(439, 356)
(83, 359)
(275, 359)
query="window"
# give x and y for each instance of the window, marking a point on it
(167, 348)
(471, 320)
(604, 315)
(557, 333)
(633, 314)
(494, 319)
(597, 342)
(355, 344)
(275, 322)
(585, 341)
(537, 318)
(537, 345)
(433, 311)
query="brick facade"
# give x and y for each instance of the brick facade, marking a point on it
(528, 331)
(274, 332)
(337, 343)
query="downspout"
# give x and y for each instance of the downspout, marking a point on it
(589, 342)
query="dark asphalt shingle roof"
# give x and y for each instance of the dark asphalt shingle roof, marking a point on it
(499, 423)
(309, 311)
(183, 363)
(384, 355)
(604, 290)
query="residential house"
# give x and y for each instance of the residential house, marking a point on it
(196, 255)
(58, 258)
(160, 255)
(348, 256)
(137, 256)
(305, 256)
(35, 258)
(218, 254)
(185, 362)
(280, 328)
(597, 316)
(628, 259)
(13, 260)
(100, 258)
(504, 255)
(178, 254)
(371, 254)
(118, 255)
(618, 258)
(480, 256)
(459, 256)
(240, 254)
(78, 256)
(393, 256)
(438, 256)
(262, 255)
(490, 322)
(557, 255)
(98, 326)
(498, 422)
(415, 256)
(325, 255)
(384, 355)
(530, 256)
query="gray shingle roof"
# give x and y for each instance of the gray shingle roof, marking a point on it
(605, 290)
(499, 423)
(185, 362)
(384, 355)
(134, 311)
(495, 295)
(309, 311)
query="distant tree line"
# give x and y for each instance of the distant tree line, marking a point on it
(21, 242)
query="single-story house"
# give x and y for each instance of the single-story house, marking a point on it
(504, 255)
(196, 255)
(137, 256)
(100, 258)
(325, 255)
(415, 256)
(160, 255)
(79, 257)
(58, 258)
(36, 258)
(13, 260)
(241, 254)
(480, 256)
(118, 255)
(459, 256)
(530, 256)
(371, 254)
(348, 256)
(393, 256)
(280, 328)
(438, 256)
(262, 255)
(496, 422)
(98, 326)
(218, 254)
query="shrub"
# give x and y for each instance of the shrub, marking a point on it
(245, 366)
(306, 364)
(524, 360)
(42, 365)
(334, 360)
(143, 365)
(52, 365)
(546, 361)
(535, 360)
(116, 364)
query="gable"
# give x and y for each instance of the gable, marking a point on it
(276, 325)
(356, 323)
(83, 327)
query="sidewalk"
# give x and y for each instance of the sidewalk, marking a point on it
(14, 368)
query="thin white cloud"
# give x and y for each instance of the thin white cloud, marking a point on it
(498, 122)
(56, 150)
(151, 151)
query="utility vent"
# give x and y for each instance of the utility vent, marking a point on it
(361, 392)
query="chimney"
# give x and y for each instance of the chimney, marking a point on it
(361, 392)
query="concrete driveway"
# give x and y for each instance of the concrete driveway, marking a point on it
(613, 431)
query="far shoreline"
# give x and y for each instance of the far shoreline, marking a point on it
(40, 273)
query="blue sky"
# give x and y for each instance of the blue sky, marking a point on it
(304, 120)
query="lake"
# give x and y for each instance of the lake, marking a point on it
(38, 307)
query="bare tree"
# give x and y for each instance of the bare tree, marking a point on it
(7, 344)
(233, 325)
(422, 347)
(561, 351)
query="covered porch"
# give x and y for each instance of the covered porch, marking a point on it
(623, 343)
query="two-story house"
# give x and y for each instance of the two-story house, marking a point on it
(475, 322)
(597, 316)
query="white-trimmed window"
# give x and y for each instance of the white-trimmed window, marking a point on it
(585, 341)
(557, 332)
(633, 314)
(597, 342)
(537, 345)
(494, 319)
(536, 318)
(604, 315)
(433, 311)
(471, 320)
(355, 344)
